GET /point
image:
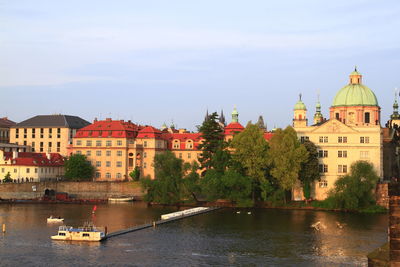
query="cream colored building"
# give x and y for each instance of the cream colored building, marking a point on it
(352, 133)
(46, 133)
(31, 167)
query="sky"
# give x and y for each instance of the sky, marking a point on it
(170, 61)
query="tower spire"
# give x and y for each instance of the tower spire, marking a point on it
(235, 115)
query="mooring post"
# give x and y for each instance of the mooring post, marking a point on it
(4, 227)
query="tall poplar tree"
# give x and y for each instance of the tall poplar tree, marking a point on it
(250, 151)
(285, 156)
(309, 169)
(213, 153)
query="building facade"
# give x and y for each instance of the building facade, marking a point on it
(116, 148)
(46, 133)
(353, 132)
(5, 125)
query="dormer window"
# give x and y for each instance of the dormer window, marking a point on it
(176, 144)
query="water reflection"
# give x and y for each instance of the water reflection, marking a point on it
(264, 237)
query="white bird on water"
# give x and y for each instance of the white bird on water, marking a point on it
(238, 212)
(249, 212)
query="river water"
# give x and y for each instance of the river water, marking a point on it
(220, 238)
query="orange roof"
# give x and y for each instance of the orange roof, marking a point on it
(233, 127)
(109, 128)
(149, 132)
(35, 159)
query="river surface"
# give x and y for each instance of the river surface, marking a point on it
(224, 237)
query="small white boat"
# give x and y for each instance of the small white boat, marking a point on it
(52, 219)
(88, 232)
(121, 199)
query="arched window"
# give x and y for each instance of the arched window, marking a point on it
(189, 144)
(366, 117)
(176, 144)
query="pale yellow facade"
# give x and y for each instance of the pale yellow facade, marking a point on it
(43, 139)
(340, 145)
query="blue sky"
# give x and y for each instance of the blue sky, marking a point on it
(162, 61)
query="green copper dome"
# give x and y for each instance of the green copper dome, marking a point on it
(355, 93)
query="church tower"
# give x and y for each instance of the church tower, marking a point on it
(235, 115)
(318, 118)
(395, 117)
(300, 114)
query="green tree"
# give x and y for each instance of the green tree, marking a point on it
(135, 174)
(285, 156)
(250, 151)
(237, 188)
(191, 181)
(167, 186)
(354, 191)
(213, 143)
(7, 178)
(309, 169)
(78, 168)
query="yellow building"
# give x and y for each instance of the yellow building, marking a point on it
(46, 133)
(353, 132)
(31, 167)
(5, 125)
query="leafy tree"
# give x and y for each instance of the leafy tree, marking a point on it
(212, 186)
(78, 168)
(285, 156)
(7, 178)
(250, 150)
(167, 186)
(309, 169)
(354, 191)
(213, 143)
(237, 188)
(135, 174)
(191, 181)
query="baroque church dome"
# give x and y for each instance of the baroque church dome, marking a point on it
(355, 93)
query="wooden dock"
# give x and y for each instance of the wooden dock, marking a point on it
(159, 222)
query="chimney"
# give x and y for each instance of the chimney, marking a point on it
(48, 155)
(95, 120)
(15, 153)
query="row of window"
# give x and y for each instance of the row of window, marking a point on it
(35, 170)
(323, 168)
(99, 153)
(342, 154)
(176, 144)
(41, 133)
(4, 134)
(108, 164)
(99, 143)
(343, 139)
(108, 175)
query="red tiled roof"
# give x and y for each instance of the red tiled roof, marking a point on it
(149, 132)
(109, 128)
(182, 137)
(268, 136)
(35, 159)
(233, 127)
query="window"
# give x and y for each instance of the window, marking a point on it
(78, 142)
(108, 175)
(323, 183)
(342, 154)
(108, 163)
(323, 168)
(364, 154)
(180, 155)
(108, 153)
(342, 139)
(78, 152)
(41, 132)
(98, 153)
(189, 144)
(366, 117)
(108, 143)
(62, 234)
(364, 139)
(144, 155)
(342, 168)
(50, 133)
(323, 153)
(189, 156)
(119, 153)
(2, 170)
(145, 144)
(98, 163)
(16, 133)
(33, 133)
(176, 144)
(58, 146)
(119, 175)
(144, 165)
(25, 133)
(97, 175)
(35, 170)
(15, 170)
(28, 170)
(304, 138)
(323, 139)
(88, 153)
(58, 133)
(41, 147)
(119, 143)
(85, 235)
(98, 143)
(33, 146)
(119, 163)
(88, 142)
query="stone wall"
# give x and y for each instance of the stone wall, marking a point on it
(382, 195)
(78, 190)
